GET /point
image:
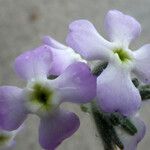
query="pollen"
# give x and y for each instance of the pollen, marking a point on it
(42, 95)
(122, 54)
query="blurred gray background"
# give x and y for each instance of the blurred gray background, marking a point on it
(22, 25)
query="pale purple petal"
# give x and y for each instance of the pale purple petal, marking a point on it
(61, 60)
(35, 63)
(130, 142)
(116, 92)
(85, 40)
(63, 56)
(142, 63)
(12, 110)
(53, 43)
(57, 127)
(121, 28)
(76, 84)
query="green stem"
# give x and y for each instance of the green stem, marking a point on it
(105, 129)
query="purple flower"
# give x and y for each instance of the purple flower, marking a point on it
(130, 142)
(43, 97)
(115, 90)
(62, 55)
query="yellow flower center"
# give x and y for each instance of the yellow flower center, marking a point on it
(42, 96)
(123, 55)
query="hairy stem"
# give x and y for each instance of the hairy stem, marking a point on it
(105, 129)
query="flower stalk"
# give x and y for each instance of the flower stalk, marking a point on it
(105, 129)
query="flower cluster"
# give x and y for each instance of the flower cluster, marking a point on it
(56, 73)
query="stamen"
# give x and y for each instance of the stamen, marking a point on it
(42, 95)
(122, 54)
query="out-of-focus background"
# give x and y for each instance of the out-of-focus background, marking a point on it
(22, 25)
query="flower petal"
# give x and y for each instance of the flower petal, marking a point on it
(12, 110)
(53, 43)
(116, 92)
(56, 128)
(85, 40)
(121, 28)
(142, 63)
(63, 56)
(76, 84)
(35, 63)
(130, 142)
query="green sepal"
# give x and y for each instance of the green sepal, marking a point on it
(144, 91)
(85, 108)
(124, 122)
(99, 68)
(135, 82)
(52, 77)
